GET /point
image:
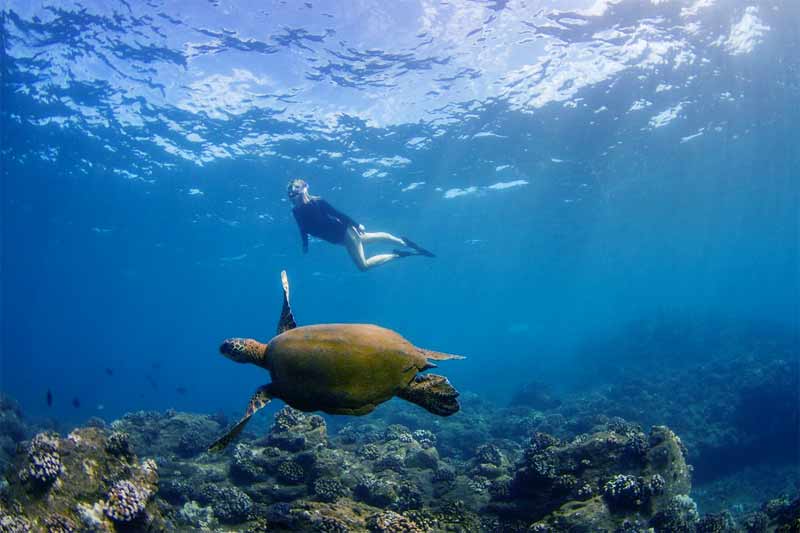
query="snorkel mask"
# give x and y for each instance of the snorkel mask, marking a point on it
(296, 188)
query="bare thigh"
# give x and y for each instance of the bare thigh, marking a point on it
(355, 248)
(354, 243)
(377, 236)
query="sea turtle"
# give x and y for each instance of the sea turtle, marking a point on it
(345, 369)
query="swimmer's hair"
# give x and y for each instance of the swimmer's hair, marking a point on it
(296, 183)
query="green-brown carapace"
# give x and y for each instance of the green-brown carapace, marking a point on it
(343, 369)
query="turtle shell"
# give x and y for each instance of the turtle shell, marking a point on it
(341, 368)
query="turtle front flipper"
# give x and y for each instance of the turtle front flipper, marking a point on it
(432, 392)
(259, 400)
(286, 321)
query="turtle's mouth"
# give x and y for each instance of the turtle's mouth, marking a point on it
(242, 350)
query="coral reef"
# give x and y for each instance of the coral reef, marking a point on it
(77, 484)
(119, 444)
(749, 373)
(186, 434)
(230, 505)
(329, 489)
(387, 477)
(126, 501)
(43, 460)
(391, 522)
(597, 480)
(374, 474)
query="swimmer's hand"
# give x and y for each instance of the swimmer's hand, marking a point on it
(361, 228)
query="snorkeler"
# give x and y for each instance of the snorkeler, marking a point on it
(317, 217)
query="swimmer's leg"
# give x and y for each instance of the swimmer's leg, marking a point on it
(402, 241)
(355, 247)
(377, 236)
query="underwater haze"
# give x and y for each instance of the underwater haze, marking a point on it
(586, 171)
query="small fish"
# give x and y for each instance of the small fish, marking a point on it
(151, 380)
(49, 398)
(76, 402)
(100, 406)
(109, 372)
(181, 390)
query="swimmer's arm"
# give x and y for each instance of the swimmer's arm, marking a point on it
(303, 233)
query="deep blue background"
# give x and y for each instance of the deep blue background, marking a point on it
(523, 275)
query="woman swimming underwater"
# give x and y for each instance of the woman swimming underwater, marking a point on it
(317, 217)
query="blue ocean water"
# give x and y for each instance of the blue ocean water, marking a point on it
(576, 166)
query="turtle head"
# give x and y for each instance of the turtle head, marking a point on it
(244, 350)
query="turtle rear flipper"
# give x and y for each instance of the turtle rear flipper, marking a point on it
(259, 400)
(432, 392)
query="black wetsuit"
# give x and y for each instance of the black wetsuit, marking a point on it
(322, 220)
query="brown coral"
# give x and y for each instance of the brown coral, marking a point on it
(391, 522)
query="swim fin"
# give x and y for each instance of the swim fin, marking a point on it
(419, 249)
